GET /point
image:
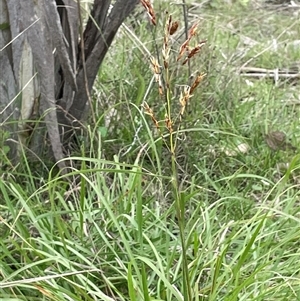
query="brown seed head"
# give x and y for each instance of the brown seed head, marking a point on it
(174, 27)
(197, 81)
(184, 98)
(149, 8)
(193, 30)
(169, 123)
(194, 51)
(149, 112)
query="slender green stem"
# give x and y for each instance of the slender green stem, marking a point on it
(179, 204)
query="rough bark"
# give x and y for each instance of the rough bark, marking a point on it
(97, 43)
(8, 86)
(42, 74)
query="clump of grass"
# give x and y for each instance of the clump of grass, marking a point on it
(165, 78)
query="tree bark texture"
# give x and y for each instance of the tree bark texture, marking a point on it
(42, 75)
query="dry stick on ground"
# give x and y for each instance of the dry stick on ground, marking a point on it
(262, 72)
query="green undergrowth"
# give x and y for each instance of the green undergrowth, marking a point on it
(111, 237)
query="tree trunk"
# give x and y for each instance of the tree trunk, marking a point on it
(43, 76)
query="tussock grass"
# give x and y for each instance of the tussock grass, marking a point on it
(196, 209)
